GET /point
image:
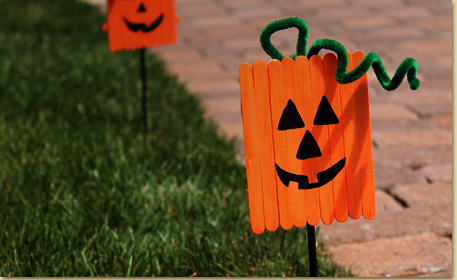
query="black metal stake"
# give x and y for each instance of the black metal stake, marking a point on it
(312, 250)
(143, 90)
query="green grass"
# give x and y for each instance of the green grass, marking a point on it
(83, 194)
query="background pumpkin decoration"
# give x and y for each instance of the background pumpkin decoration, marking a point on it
(136, 24)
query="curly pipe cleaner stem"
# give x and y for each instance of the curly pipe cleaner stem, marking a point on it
(282, 24)
(407, 67)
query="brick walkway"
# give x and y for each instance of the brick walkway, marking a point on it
(411, 234)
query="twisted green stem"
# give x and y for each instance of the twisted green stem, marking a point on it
(407, 67)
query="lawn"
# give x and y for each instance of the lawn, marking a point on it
(83, 193)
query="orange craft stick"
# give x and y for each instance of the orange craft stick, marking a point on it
(293, 138)
(305, 103)
(267, 163)
(365, 167)
(336, 137)
(279, 139)
(351, 146)
(252, 152)
(320, 133)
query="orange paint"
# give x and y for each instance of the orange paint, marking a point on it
(251, 146)
(267, 170)
(293, 137)
(289, 106)
(320, 133)
(365, 167)
(351, 148)
(279, 139)
(335, 134)
(135, 24)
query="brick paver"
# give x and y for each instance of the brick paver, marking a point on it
(411, 234)
(398, 257)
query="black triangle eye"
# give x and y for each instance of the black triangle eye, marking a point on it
(141, 8)
(290, 118)
(325, 114)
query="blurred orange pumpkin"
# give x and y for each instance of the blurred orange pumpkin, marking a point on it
(134, 24)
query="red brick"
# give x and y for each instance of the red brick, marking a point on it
(367, 22)
(224, 118)
(412, 138)
(434, 218)
(412, 156)
(388, 176)
(444, 121)
(196, 69)
(397, 33)
(228, 33)
(408, 13)
(429, 4)
(212, 21)
(427, 101)
(437, 272)
(179, 55)
(373, 4)
(233, 130)
(222, 105)
(285, 38)
(423, 195)
(242, 43)
(214, 87)
(433, 23)
(218, 53)
(438, 172)
(402, 124)
(385, 202)
(433, 109)
(389, 112)
(242, 3)
(260, 11)
(344, 12)
(198, 9)
(427, 48)
(306, 5)
(396, 257)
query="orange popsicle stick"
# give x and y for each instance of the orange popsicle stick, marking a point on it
(251, 147)
(365, 167)
(320, 133)
(309, 165)
(265, 134)
(351, 146)
(304, 93)
(305, 103)
(280, 142)
(293, 138)
(336, 137)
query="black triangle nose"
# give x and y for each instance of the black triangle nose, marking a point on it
(141, 8)
(308, 147)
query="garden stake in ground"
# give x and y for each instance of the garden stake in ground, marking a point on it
(138, 24)
(307, 133)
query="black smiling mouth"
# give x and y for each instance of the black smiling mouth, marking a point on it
(323, 177)
(135, 27)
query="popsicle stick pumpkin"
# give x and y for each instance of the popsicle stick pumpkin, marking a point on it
(136, 24)
(307, 134)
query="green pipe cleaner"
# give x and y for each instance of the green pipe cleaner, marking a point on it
(407, 67)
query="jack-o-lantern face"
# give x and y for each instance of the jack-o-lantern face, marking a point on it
(134, 24)
(309, 148)
(307, 143)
